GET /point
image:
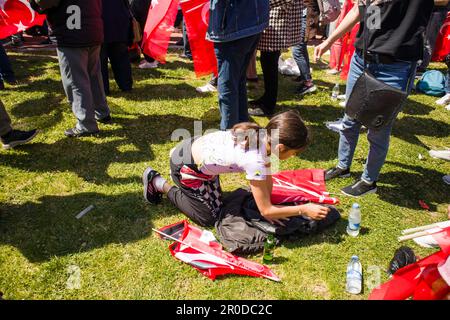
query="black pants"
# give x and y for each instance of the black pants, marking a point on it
(184, 198)
(269, 65)
(117, 54)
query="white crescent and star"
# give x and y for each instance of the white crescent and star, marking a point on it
(24, 2)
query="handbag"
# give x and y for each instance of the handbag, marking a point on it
(372, 102)
(136, 31)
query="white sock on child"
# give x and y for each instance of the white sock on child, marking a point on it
(158, 183)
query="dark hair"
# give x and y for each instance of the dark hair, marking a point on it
(292, 131)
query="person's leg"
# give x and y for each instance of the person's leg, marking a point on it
(6, 71)
(186, 47)
(75, 76)
(121, 66)
(5, 121)
(398, 75)
(269, 64)
(251, 69)
(105, 70)
(301, 57)
(96, 84)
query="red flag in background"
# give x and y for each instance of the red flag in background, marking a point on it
(158, 28)
(17, 16)
(442, 48)
(196, 18)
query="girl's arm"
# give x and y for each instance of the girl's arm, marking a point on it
(262, 191)
(346, 25)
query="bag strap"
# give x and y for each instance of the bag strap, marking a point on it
(365, 34)
(127, 4)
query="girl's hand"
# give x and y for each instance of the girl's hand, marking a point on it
(315, 211)
(320, 50)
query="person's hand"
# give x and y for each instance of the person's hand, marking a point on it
(315, 211)
(320, 50)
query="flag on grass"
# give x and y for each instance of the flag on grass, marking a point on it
(17, 16)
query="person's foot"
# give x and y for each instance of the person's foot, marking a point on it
(446, 179)
(75, 133)
(306, 88)
(333, 71)
(105, 120)
(151, 193)
(447, 107)
(17, 137)
(11, 82)
(206, 88)
(343, 104)
(2, 85)
(336, 172)
(257, 108)
(342, 97)
(360, 188)
(148, 65)
(444, 100)
(440, 154)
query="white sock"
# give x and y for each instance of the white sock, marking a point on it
(159, 183)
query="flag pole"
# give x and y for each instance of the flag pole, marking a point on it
(209, 254)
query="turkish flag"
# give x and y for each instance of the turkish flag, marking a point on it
(196, 18)
(442, 47)
(17, 16)
(158, 28)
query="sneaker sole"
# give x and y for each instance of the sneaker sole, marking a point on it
(347, 175)
(145, 181)
(20, 142)
(361, 195)
(308, 91)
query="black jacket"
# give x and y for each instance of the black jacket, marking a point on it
(117, 21)
(65, 32)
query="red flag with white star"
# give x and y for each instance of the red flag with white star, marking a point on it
(17, 16)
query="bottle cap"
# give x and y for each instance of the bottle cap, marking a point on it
(355, 206)
(355, 258)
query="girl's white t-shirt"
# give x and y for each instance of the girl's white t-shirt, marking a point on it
(221, 154)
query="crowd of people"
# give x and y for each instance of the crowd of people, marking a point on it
(393, 51)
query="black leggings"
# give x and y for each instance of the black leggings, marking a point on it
(185, 198)
(269, 65)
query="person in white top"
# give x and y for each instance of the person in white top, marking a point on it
(196, 165)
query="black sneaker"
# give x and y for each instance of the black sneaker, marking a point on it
(360, 188)
(151, 195)
(304, 89)
(105, 120)
(402, 257)
(75, 133)
(17, 137)
(336, 173)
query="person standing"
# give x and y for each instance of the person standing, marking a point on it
(9, 137)
(6, 71)
(76, 26)
(118, 34)
(284, 31)
(235, 27)
(394, 41)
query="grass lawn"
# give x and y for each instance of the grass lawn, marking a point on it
(45, 184)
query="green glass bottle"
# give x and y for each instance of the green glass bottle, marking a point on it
(269, 247)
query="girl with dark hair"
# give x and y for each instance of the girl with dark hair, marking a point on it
(196, 164)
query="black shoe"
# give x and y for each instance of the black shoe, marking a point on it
(17, 137)
(360, 188)
(304, 89)
(336, 173)
(2, 85)
(402, 257)
(105, 120)
(151, 195)
(12, 82)
(75, 133)
(257, 108)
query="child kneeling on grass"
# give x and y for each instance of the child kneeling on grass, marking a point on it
(197, 163)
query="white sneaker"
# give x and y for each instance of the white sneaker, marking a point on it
(335, 126)
(343, 104)
(333, 71)
(447, 107)
(440, 154)
(341, 97)
(444, 100)
(148, 65)
(206, 88)
(446, 179)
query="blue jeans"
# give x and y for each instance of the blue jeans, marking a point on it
(6, 71)
(233, 58)
(399, 75)
(301, 57)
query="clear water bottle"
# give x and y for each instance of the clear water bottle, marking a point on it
(354, 220)
(354, 276)
(335, 92)
(269, 247)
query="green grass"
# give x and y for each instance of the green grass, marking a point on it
(46, 183)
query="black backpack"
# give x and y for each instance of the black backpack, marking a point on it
(242, 230)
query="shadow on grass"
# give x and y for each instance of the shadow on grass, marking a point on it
(49, 227)
(90, 158)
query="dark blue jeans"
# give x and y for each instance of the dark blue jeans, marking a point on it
(301, 57)
(233, 58)
(6, 71)
(399, 75)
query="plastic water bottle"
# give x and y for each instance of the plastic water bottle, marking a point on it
(335, 92)
(269, 247)
(354, 276)
(354, 220)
